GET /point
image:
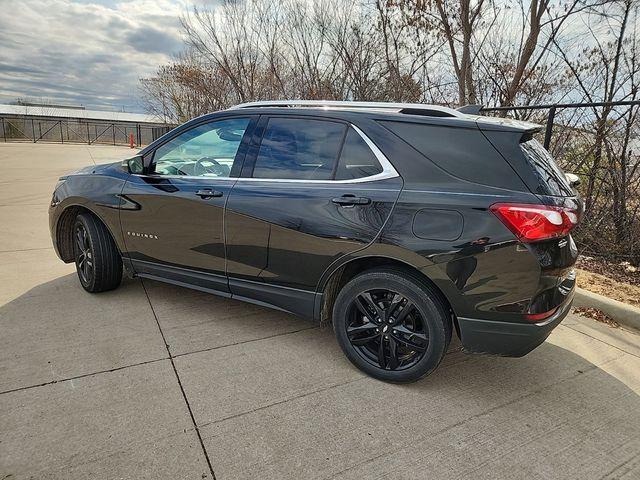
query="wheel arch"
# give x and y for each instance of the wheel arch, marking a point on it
(329, 288)
(64, 229)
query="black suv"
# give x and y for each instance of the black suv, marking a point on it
(396, 222)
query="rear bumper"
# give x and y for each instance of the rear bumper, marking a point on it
(506, 338)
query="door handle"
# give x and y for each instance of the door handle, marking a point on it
(351, 200)
(208, 193)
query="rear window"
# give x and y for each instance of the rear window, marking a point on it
(546, 169)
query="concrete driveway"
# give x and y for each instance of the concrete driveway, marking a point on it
(154, 381)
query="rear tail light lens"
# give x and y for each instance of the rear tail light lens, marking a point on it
(538, 317)
(532, 223)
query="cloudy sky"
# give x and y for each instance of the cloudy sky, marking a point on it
(89, 52)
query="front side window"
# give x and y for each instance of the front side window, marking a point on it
(207, 150)
(300, 149)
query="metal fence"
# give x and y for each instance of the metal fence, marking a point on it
(68, 130)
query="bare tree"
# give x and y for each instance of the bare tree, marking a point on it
(605, 70)
(455, 22)
(496, 49)
(185, 89)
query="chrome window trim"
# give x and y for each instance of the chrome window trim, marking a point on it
(388, 171)
(184, 177)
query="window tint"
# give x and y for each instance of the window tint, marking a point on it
(205, 151)
(462, 152)
(356, 160)
(546, 169)
(301, 149)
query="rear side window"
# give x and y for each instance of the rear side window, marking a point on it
(462, 152)
(356, 160)
(546, 169)
(300, 149)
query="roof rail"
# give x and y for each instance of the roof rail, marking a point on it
(409, 108)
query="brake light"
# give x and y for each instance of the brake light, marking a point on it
(531, 223)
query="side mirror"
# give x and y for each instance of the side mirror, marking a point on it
(573, 179)
(134, 164)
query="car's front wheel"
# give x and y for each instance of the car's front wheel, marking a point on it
(392, 325)
(98, 261)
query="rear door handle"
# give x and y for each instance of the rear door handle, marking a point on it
(208, 193)
(350, 200)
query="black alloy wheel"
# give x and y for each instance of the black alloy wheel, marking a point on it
(386, 329)
(84, 254)
(392, 324)
(98, 260)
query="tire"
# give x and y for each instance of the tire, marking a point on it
(98, 262)
(420, 336)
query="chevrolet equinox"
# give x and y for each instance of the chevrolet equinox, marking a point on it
(397, 223)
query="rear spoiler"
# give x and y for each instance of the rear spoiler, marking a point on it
(470, 109)
(498, 123)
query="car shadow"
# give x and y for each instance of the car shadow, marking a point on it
(57, 320)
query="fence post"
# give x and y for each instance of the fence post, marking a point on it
(88, 136)
(61, 134)
(113, 126)
(139, 134)
(549, 130)
(33, 131)
(4, 132)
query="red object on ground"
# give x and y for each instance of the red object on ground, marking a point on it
(131, 144)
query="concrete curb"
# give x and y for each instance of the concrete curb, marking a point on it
(622, 313)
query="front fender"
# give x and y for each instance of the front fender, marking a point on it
(98, 194)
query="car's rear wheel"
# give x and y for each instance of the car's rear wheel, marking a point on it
(98, 261)
(392, 325)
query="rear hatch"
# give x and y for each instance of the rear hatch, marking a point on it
(532, 162)
(559, 212)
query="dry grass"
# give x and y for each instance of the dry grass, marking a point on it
(604, 285)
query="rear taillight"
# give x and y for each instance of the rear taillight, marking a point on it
(531, 223)
(538, 317)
